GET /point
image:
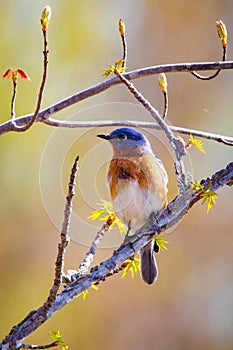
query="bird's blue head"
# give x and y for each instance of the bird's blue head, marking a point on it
(126, 140)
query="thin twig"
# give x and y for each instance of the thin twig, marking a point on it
(162, 81)
(124, 43)
(202, 77)
(37, 347)
(183, 178)
(89, 257)
(86, 263)
(41, 90)
(65, 239)
(13, 74)
(226, 140)
(13, 101)
(165, 95)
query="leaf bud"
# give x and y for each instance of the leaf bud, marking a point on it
(45, 18)
(163, 82)
(121, 27)
(222, 32)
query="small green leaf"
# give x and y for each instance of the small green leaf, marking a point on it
(110, 69)
(161, 242)
(197, 143)
(85, 292)
(130, 265)
(209, 196)
(57, 337)
(94, 286)
(106, 212)
(118, 65)
(121, 227)
(197, 186)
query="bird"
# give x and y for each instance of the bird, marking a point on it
(138, 183)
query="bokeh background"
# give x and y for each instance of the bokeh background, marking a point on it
(191, 304)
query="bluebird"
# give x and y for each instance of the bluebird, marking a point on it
(138, 182)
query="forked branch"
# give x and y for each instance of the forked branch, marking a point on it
(173, 213)
(44, 116)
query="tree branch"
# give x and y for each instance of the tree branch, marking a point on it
(183, 178)
(37, 347)
(210, 77)
(65, 239)
(33, 118)
(44, 115)
(169, 217)
(89, 257)
(226, 140)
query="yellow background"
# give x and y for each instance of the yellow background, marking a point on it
(191, 304)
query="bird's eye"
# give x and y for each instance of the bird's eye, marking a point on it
(122, 136)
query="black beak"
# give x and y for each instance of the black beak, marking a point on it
(102, 136)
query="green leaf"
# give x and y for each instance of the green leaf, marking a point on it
(197, 186)
(197, 143)
(110, 69)
(57, 337)
(130, 265)
(85, 292)
(94, 286)
(161, 242)
(105, 212)
(209, 196)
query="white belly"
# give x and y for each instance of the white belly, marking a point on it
(134, 206)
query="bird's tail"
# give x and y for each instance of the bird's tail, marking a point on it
(149, 269)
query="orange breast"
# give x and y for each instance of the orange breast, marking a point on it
(145, 170)
(138, 187)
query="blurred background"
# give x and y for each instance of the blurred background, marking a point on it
(191, 304)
